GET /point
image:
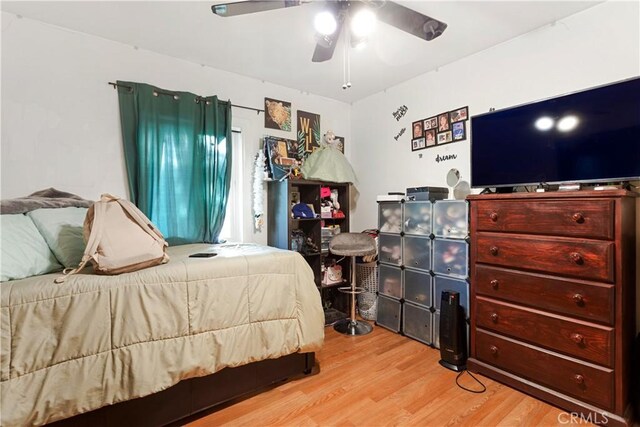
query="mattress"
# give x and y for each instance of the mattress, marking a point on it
(97, 340)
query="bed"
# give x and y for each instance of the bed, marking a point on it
(93, 341)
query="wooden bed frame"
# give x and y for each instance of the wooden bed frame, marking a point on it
(196, 394)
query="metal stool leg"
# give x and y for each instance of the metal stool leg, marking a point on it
(353, 326)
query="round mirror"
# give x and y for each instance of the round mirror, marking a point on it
(453, 177)
(462, 190)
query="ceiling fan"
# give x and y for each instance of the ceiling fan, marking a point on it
(359, 14)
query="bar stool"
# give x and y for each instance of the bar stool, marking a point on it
(352, 245)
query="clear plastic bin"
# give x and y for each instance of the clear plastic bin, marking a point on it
(390, 281)
(417, 218)
(417, 323)
(416, 252)
(388, 315)
(418, 287)
(390, 217)
(390, 249)
(451, 257)
(450, 284)
(451, 219)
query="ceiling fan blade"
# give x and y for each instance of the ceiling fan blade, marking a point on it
(409, 20)
(251, 6)
(327, 44)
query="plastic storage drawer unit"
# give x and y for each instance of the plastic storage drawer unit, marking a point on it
(416, 252)
(450, 219)
(390, 217)
(390, 249)
(450, 284)
(451, 257)
(417, 218)
(390, 281)
(389, 313)
(418, 287)
(417, 323)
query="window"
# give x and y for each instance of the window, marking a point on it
(233, 221)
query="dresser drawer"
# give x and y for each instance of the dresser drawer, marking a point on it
(585, 382)
(580, 218)
(588, 259)
(588, 301)
(583, 340)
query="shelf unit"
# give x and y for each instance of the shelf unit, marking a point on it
(281, 224)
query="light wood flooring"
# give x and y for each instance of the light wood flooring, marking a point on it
(383, 379)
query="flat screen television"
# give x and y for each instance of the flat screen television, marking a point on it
(587, 136)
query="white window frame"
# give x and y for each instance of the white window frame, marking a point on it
(232, 230)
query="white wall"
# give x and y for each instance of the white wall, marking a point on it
(60, 119)
(596, 46)
(599, 45)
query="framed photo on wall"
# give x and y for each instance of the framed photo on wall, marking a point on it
(418, 144)
(443, 122)
(459, 131)
(459, 115)
(431, 123)
(430, 137)
(417, 129)
(444, 137)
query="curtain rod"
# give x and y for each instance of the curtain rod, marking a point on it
(198, 98)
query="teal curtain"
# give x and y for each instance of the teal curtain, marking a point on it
(177, 149)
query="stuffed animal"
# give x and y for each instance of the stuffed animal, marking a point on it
(334, 199)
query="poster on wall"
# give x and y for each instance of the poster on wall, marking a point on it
(284, 157)
(339, 143)
(309, 130)
(277, 114)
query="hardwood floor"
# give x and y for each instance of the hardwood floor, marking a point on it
(384, 379)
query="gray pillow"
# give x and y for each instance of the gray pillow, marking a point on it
(24, 252)
(62, 230)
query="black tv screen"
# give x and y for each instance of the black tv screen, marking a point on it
(587, 136)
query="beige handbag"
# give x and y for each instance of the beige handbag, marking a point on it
(120, 239)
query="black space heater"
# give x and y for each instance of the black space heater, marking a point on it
(453, 334)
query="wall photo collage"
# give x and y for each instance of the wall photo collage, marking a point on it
(441, 129)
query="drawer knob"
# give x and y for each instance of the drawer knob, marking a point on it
(579, 379)
(576, 257)
(578, 299)
(493, 349)
(494, 283)
(494, 317)
(493, 250)
(577, 338)
(578, 217)
(493, 216)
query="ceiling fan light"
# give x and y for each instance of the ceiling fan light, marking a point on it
(325, 23)
(363, 22)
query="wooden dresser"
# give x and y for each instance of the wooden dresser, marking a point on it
(553, 297)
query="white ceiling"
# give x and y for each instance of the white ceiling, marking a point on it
(277, 46)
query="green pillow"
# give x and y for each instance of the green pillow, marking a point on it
(23, 250)
(62, 229)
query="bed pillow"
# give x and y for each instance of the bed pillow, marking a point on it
(23, 250)
(62, 230)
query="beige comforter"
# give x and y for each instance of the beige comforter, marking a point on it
(95, 340)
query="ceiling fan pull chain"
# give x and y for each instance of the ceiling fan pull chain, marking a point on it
(344, 65)
(348, 68)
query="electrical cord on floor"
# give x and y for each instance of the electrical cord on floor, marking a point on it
(484, 388)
